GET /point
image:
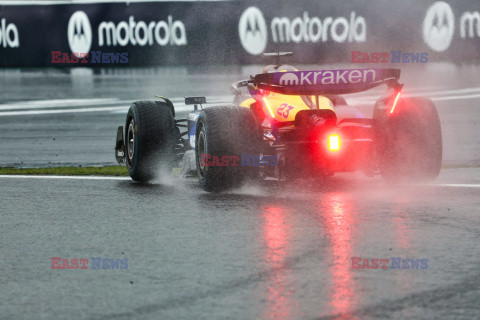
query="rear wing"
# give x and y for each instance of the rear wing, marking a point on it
(319, 82)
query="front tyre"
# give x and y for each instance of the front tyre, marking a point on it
(150, 138)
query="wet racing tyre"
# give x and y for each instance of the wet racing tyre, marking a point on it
(223, 133)
(409, 141)
(150, 138)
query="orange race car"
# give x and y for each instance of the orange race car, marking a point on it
(293, 124)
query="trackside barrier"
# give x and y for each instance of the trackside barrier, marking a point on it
(232, 32)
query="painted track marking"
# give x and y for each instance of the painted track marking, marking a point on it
(52, 177)
(24, 108)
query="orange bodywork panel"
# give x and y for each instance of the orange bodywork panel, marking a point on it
(284, 108)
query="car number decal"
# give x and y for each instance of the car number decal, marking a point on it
(284, 110)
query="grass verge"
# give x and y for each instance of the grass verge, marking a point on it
(116, 171)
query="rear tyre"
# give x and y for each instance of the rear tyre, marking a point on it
(409, 141)
(150, 138)
(225, 132)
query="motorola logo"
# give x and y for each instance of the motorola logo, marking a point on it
(79, 34)
(439, 26)
(8, 35)
(252, 30)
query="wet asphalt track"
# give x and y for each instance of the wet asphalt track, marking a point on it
(267, 251)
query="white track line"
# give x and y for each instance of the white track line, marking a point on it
(53, 106)
(428, 93)
(457, 185)
(54, 102)
(83, 110)
(61, 2)
(79, 110)
(59, 103)
(18, 108)
(67, 103)
(452, 185)
(446, 92)
(63, 177)
(471, 96)
(371, 99)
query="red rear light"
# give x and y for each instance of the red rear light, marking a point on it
(394, 103)
(334, 142)
(268, 107)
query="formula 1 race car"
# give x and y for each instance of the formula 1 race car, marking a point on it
(286, 128)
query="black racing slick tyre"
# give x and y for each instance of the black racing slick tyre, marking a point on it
(409, 141)
(225, 134)
(150, 138)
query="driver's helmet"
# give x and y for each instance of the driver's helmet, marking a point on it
(271, 69)
(279, 68)
(285, 68)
